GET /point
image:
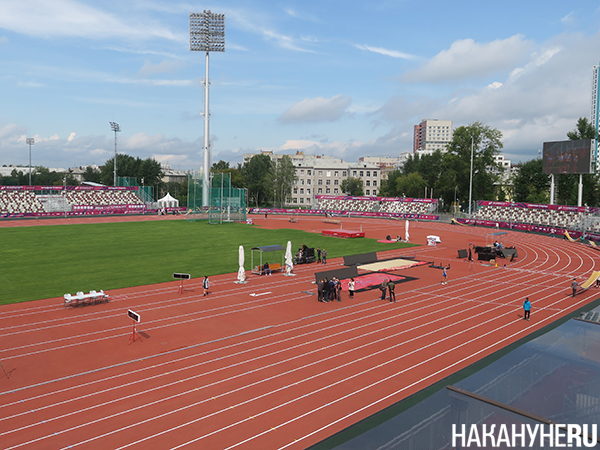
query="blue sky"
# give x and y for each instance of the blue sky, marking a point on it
(340, 78)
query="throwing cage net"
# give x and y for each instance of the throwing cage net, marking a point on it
(226, 203)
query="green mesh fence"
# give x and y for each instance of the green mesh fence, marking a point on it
(143, 192)
(226, 203)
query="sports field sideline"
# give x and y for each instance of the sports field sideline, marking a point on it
(264, 365)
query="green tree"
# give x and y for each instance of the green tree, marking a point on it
(258, 178)
(411, 185)
(352, 186)
(530, 184)
(429, 166)
(284, 177)
(90, 174)
(220, 166)
(388, 187)
(127, 166)
(583, 130)
(455, 166)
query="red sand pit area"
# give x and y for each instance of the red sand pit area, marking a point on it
(265, 365)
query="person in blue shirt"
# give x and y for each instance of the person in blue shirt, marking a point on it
(526, 309)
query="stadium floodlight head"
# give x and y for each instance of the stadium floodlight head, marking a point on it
(207, 32)
(30, 142)
(116, 128)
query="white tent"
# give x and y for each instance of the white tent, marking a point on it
(168, 202)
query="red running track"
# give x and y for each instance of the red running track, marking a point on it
(272, 370)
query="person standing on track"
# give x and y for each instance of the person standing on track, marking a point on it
(574, 286)
(324, 256)
(351, 288)
(319, 255)
(325, 290)
(391, 287)
(320, 290)
(445, 274)
(383, 289)
(205, 285)
(526, 309)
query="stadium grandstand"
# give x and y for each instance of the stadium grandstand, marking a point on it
(559, 216)
(385, 205)
(28, 201)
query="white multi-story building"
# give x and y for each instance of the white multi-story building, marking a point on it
(432, 134)
(323, 175)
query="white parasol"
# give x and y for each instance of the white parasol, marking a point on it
(406, 235)
(241, 273)
(289, 265)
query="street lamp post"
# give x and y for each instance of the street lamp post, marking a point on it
(455, 205)
(116, 128)
(30, 142)
(207, 34)
(471, 179)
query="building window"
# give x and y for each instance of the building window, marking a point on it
(327, 182)
(374, 192)
(328, 191)
(320, 191)
(374, 182)
(301, 191)
(308, 172)
(368, 173)
(308, 181)
(295, 181)
(354, 173)
(361, 173)
(320, 173)
(344, 173)
(301, 200)
(302, 182)
(295, 191)
(302, 172)
(336, 182)
(368, 193)
(368, 184)
(319, 182)
(335, 173)
(329, 173)
(308, 191)
(335, 191)
(295, 200)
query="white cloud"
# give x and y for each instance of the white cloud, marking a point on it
(318, 109)
(70, 18)
(165, 66)
(386, 52)
(467, 59)
(71, 137)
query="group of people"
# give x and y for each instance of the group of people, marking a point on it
(321, 256)
(330, 290)
(388, 285)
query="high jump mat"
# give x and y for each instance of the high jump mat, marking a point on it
(391, 265)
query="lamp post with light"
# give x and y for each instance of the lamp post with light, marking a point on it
(116, 128)
(30, 142)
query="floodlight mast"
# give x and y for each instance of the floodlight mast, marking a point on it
(30, 142)
(116, 128)
(207, 34)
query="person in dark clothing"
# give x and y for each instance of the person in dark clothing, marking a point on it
(320, 290)
(338, 289)
(319, 255)
(574, 286)
(325, 290)
(332, 290)
(391, 287)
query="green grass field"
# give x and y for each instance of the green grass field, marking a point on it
(49, 261)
